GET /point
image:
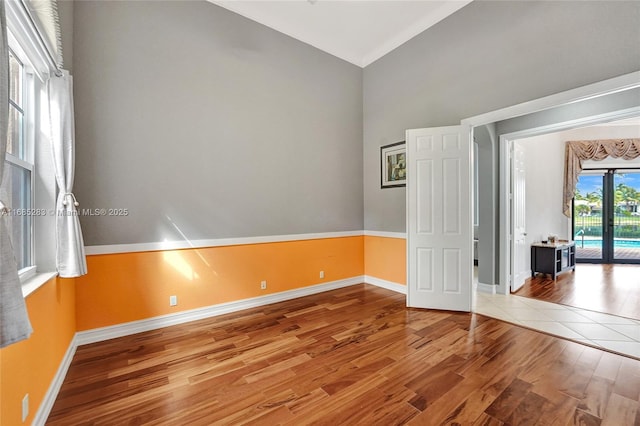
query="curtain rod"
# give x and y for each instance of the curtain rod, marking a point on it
(606, 169)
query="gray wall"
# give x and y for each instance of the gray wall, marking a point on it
(487, 56)
(65, 13)
(487, 234)
(207, 125)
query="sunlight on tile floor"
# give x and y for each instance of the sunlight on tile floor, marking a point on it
(621, 335)
(617, 334)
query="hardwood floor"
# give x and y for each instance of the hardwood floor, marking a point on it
(612, 289)
(349, 356)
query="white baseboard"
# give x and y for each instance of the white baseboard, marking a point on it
(52, 393)
(487, 288)
(389, 285)
(120, 330)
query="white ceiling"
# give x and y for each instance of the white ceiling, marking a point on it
(358, 31)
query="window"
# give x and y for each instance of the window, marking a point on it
(17, 183)
(28, 184)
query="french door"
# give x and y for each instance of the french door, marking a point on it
(606, 217)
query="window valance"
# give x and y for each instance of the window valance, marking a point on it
(45, 16)
(578, 151)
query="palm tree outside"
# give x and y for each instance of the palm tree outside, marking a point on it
(588, 214)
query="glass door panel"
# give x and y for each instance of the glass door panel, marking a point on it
(626, 216)
(588, 217)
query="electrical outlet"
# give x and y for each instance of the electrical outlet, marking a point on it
(321, 274)
(173, 300)
(25, 407)
(263, 285)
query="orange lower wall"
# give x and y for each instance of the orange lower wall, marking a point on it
(30, 366)
(133, 286)
(386, 258)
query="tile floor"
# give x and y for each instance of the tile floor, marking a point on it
(617, 334)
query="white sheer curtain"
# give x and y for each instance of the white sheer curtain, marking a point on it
(14, 321)
(70, 245)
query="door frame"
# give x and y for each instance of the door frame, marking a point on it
(506, 179)
(602, 88)
(515, 208)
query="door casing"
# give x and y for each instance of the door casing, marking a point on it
(602, 88)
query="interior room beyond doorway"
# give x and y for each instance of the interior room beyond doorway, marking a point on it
(599, 287)
(607, 288)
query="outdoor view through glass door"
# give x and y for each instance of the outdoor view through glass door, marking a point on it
(606, 218)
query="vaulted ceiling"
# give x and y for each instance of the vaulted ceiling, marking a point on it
(358, 31)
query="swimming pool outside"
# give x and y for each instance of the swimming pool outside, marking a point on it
(617, 243)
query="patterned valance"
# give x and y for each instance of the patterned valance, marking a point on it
(578, 151)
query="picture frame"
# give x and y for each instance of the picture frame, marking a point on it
(393, 165)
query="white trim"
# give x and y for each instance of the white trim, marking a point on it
(389, 285)
(602, 88)
(52, 393)
(218, 242)
(120, 330)
(487, 288)
(18, 162)
(27, 273)
(612, 85)
(506, 141)
(385, 234)
(133, 327)
(573, 124)
(20, 24)
(504, 231)
(35, 282)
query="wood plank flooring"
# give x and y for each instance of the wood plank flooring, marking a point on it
(350, 356)
(612, 289)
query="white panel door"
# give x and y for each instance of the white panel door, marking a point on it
(519, 268)
(439, 218)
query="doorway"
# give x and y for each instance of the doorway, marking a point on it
(603, 225)
(517, 121)
(606, 219)
(546, 164)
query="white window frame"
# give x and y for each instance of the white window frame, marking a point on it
(28, 145)
(28, 45)
(38, 154)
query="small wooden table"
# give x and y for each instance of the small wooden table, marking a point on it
(553, 258)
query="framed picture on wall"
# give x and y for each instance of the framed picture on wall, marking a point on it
(393, 165)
